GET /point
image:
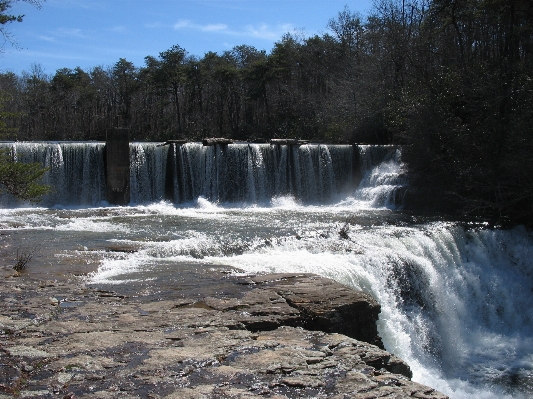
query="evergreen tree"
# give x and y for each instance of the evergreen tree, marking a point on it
(18, 179)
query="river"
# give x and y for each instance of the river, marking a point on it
(456, 298)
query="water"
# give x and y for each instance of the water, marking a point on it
(456, 299)
(236, 173)
(75, 170)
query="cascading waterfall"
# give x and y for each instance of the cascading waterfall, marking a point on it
(76, 171)
(383, 180)
(236, 173)
(282, 172)
(257, 173)
(456, 300)
(325, 173)
(147, 172)
(456, 305)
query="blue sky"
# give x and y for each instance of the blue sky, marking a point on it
(89, 33)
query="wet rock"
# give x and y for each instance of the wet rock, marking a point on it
(255, 340)
(328, 306)
(26, 351)
(129, 249)
(303, 300)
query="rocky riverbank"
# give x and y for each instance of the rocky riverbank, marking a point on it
(268, 336)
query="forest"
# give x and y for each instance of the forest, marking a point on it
(449, 80)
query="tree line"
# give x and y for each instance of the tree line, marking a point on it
(321, 87)
(451, 80)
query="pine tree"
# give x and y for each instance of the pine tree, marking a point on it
(18, 179)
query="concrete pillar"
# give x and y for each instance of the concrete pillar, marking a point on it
(117, 152)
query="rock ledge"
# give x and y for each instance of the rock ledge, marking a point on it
(275, 336)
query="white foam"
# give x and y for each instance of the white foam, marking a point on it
(456, 304)
(93, 225)
(203, 203)
(113, 267)
(285, 202)
(464, 283)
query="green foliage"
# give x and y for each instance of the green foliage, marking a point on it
(451, 80)
(21, 180)
(467, 114)
(18, 179)
(7, 18)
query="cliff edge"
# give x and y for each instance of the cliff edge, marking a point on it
(267, 336)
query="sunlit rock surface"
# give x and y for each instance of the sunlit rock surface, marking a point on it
(250, 337)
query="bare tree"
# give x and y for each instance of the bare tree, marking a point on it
(6, 18)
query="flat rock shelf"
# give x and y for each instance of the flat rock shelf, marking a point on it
(264, 336)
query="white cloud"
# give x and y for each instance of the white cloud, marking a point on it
(183, 23)
(119, 29)
(187, 24)
(214, 28)
(267, 32)
(262, 31)
(72, 32)
(47, 38)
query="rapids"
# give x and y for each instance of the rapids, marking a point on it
(456, 298)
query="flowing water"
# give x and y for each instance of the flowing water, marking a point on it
(456, 298)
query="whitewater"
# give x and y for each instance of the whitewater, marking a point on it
(456, 298)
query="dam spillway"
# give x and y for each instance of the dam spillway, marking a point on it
(455, 297)
(241, 173)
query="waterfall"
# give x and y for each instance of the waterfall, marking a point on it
(76, 171)
(147, 172)
(455, 299)
(383, 177)
(257, 173)
(256, 183)
(456, 304)
(312, 174)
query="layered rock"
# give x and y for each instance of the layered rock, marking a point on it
(66, 340)
(302, 300)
